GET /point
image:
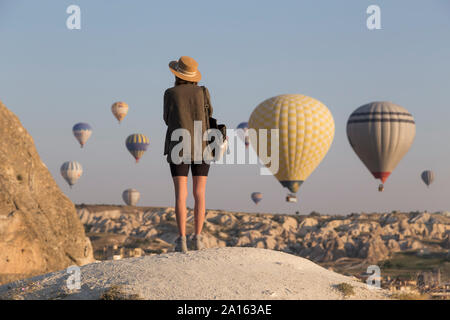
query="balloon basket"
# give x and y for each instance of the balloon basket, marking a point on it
(291, 198)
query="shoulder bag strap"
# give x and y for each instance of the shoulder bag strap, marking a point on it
(206, 106)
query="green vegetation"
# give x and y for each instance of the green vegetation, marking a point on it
(87, 228)
(21, 290)
(137, 242)
(314, 214)
(407, 264)
(410, 296)
(346, 289)
(100, 255)
(116, 292)
(278, 218)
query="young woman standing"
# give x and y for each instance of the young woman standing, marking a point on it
(184, 104)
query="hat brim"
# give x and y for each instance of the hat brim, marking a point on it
(173, 66)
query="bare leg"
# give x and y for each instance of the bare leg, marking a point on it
(181, 193)
(199, 186)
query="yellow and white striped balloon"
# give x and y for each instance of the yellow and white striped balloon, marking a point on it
(306, 131)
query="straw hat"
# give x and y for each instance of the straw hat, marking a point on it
(186, 68)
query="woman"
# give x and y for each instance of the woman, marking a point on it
(183, 105)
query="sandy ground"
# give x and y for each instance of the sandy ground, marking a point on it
(220, 273)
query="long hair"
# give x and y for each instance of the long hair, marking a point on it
(179, 81)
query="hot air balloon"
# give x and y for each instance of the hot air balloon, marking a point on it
(137, 144)
(428, 177)
(306, 131)
(82, 131)
(131, 196)
(381, 133)
(243, 133)
(256, 197)
(71, 172)
(120, 110)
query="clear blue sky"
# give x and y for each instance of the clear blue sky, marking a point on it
(248, 51)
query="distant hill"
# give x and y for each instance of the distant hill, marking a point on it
(345, 243)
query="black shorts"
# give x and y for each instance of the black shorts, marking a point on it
(182, 169)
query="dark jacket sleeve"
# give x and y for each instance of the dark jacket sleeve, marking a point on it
(209, 102)
(167, 102)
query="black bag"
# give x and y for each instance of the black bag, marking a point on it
(212, 122)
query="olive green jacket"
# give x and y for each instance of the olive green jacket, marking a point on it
(184, 104)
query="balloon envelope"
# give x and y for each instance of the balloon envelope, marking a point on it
(71, 171)
(428, 177)
(243, 126)
(119, 110)
(243, 133)
(82, 132)
(306, 131)
(131, 196)
(256, 197)
(381, 133)
(137, 144)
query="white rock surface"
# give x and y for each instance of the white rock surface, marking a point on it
(220, 273)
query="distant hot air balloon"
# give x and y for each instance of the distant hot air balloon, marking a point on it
(120, 110)
(137, 144)
(82, 131)
(256, 197)
(381, 133)
(243, 133)
(71, 172)
(428, 177)
(131, 196)
(306, 131)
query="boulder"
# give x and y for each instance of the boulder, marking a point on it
(151, 233)
(222, 219)
(446, 242)
(253, 235)
(317, 252)
(334, 249)
(40, 230)
(290, 224)
(422, 217)
(243, 241)
(393, 245)
(210, 241)
(374, 250)
(271, 243)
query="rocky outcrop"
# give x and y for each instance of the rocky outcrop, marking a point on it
(39, 228)
(212, 274)
(446, 242)
(370, 237)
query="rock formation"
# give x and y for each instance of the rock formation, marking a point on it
(369, 237)
(40, 231)
(223, 273)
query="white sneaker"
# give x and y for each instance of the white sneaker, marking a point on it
(181, 245)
